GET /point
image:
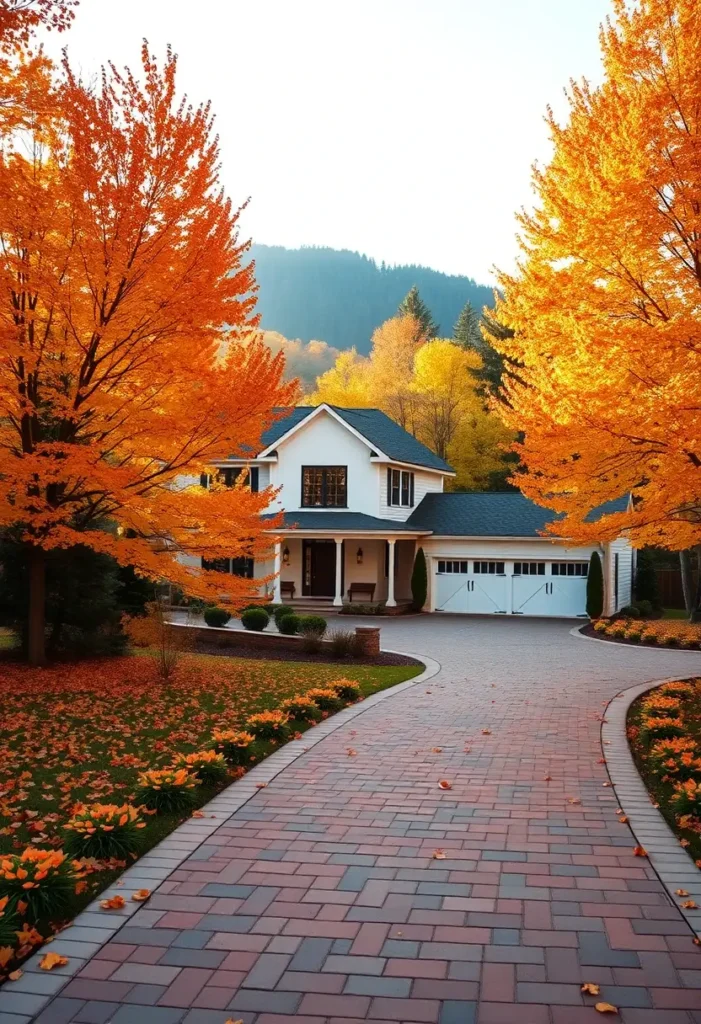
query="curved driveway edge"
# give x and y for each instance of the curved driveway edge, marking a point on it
(577, 631)
(672, 863)
(22, 1000)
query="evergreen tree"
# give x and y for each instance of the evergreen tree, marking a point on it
(419, 581)
(646, 588)
(467, 328)
(595, 587)
(413, 305)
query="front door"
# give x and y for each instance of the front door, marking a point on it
(319, 568)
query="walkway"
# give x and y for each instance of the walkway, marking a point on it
(353, 887)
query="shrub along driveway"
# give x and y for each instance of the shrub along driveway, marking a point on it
(354, 887)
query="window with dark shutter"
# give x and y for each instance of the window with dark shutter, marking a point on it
(254, 479)
(242, 567)
(389, 486)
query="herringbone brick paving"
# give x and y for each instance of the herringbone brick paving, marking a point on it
(354, 888)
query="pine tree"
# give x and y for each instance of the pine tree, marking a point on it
(413, 305)
(419, 581)
(467, 328)
(595, 587)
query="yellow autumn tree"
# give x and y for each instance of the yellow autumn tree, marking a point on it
(429, 387)
(605, 303)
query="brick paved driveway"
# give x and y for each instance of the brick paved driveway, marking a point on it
(321, 899)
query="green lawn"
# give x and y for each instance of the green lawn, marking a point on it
(674, 613)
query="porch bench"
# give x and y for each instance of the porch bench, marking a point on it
(361, 588)
(287, 589)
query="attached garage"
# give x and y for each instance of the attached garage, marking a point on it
(487, 555)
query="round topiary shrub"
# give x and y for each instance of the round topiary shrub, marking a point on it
(314, 625)
(255, 619)
(288, 624)
(280, 611)
(103, 831)
(630, 611)
(215, 616)
(646, 609)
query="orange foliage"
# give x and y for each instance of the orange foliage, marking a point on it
(605, 302)
(130, 363)
(18, 18)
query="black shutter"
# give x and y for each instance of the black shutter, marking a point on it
(411, 490)
(204, 480)
(389, 486)
(254, 479)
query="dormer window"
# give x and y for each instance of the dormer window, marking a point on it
(324, 486)
(400, 488)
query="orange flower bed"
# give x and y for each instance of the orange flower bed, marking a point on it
(663, 632)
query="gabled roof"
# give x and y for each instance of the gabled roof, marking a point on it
(489, 514)
(345, 521)
(375, 426)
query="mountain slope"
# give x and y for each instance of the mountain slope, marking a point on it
(342, 296)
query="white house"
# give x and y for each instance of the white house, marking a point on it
(360, 495)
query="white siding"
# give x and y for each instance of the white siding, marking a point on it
(616, 597)
(325, 442)
(423, 484)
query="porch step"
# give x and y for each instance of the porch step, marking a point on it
(322, 605)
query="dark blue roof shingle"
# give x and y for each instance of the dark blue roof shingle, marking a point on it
(344, 521)
(396, 443)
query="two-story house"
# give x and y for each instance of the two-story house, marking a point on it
(359, 496)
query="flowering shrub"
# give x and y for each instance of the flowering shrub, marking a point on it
(662, 727)
(269, 725)
(678, 688)
(301, 708)
(207, 765)
(347, 690)
(687, 796)
(326, 699)
(662, 704)
(234, 744)
(104, 830)
(38, 881)
(666, 632)
(167, 791)
(671, 749)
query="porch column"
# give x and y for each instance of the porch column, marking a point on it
(391, 603)
(276, 570)
(338, 598)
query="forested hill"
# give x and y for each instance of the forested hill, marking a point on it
(341, 297)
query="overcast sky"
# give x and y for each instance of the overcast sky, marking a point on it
(404, 129)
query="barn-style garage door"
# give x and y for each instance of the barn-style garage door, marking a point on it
(493, 586)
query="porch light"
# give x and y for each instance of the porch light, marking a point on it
(286, 556)
(359, 556)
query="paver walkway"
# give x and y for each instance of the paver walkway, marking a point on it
(321, 899)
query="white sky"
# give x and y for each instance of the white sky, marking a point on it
(404, 129)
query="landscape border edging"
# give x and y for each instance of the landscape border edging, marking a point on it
(93, 927)
(612, 642)
(670, 861)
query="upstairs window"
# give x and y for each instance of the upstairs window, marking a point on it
(489, 568)
(232, 566)
(324, 486)
(569, 568)
(400, 488)
(529, 568)
(228, 476)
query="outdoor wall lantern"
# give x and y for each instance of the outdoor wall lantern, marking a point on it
(286, 556)
(359, 556)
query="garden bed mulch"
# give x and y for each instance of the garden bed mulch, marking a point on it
(664, 734)
(386, 658)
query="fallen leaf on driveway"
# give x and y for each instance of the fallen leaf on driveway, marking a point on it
(688, 905)
(444, 784)
(351, 752)
(436, 750)
(15, 976)
(140, 895)
(438, 855)
(573, 800)
(639, 851)
(590, 989)
(197, 814)
(261, 785)
(623, 820)
(605, 1008)
(51, 960)
(114, 903)
(680, 892)
(486, 732)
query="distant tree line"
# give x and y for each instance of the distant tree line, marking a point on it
(341, 296)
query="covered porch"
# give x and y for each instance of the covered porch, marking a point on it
(336, 567)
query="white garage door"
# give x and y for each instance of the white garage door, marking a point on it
(459, 588)
(492, 586)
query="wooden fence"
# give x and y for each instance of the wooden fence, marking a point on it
(669, 582)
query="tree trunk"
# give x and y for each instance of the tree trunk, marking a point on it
(37, 606)
(696, 606)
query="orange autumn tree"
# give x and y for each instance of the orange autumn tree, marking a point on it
(606, 300)
(19, 18)
(128, 364)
